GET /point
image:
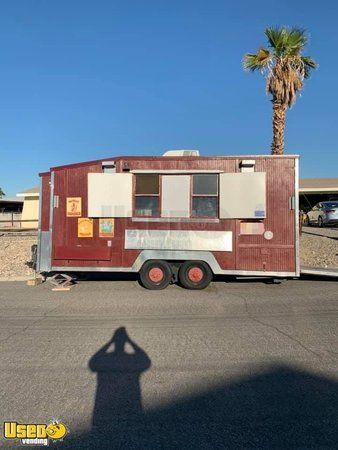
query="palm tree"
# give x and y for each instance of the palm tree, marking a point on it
(1, 193)
(285, 68)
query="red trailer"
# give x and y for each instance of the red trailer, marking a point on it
(178, 216)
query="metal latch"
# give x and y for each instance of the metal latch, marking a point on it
(56, 201)
(292, 202)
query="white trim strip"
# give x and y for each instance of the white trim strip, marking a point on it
(30, 194)
(172, 171)
(297, 243)
(175, 219)
(244, 273)
(317, 190)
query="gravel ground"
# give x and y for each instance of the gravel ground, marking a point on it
(15, 251)
(319, 248)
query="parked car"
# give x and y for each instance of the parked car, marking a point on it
(324, 213)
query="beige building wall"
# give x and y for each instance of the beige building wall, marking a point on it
(30, 212)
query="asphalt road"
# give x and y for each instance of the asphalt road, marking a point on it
(239, 365)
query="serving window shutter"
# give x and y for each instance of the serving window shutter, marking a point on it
(242, 195)
(110, 194)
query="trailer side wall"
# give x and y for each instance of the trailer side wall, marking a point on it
(250, 252)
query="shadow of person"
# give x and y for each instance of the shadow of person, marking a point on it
(118, 401)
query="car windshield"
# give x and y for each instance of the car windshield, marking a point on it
(330, 205)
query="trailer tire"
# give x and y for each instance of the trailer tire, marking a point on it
(195, 275)
(155, 275)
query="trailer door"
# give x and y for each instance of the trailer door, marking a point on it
(76, 240)
(267, 233)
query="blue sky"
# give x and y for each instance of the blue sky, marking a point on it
(82, 80)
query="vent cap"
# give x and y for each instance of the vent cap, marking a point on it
(181, 153)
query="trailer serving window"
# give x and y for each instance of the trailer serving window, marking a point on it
(147, 195)
(205, 195)
(180, 196)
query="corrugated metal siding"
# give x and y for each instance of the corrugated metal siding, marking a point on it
(251, 252)
(225, 259)
(279, 220)
(68, 248)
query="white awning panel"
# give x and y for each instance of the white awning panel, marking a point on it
(242, 195)
(110, 194)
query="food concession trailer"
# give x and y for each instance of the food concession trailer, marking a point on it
(179, 216)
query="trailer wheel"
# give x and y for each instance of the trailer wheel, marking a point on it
(155, 275)
(195, 275)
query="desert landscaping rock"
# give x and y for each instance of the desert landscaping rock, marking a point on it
(318, 248)
(15, 252)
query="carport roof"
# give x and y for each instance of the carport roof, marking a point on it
(6, 200)
(318, 185)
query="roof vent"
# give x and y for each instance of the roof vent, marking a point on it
(182, 153)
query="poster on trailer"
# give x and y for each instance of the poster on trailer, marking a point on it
(74, 207)
(85, 227)
(106, 227)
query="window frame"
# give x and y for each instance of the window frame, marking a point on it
(158, 196)
(191, 193)
(192, 196)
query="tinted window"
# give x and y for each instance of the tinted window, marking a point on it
(147, 184)
(204, 206)
(147, 206)
(205, 184)
(330, 205)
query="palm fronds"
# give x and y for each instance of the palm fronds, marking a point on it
(309, 64)
(286, 41)
(283, 62)
(258, 61)
(285, 68)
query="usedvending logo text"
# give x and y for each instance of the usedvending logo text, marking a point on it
(35, 433)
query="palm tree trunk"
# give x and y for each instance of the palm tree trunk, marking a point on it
(278, 126)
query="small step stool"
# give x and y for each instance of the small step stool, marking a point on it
(61, 282)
